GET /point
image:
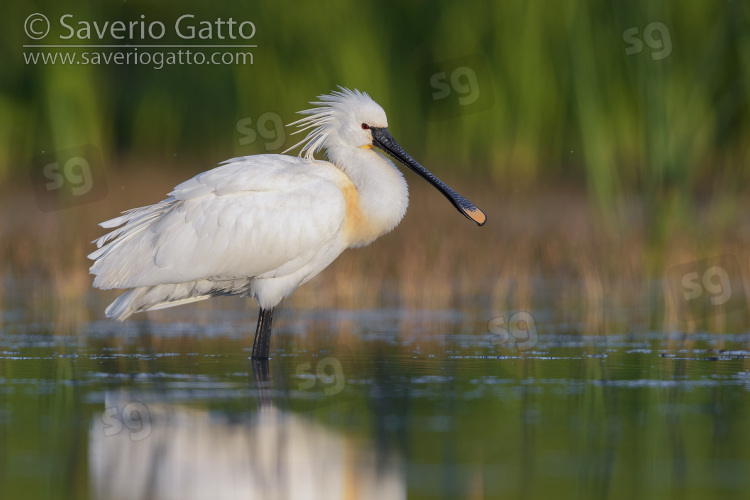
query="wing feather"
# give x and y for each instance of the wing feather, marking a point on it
(259, 216)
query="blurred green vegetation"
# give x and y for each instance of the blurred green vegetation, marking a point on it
(584, 91)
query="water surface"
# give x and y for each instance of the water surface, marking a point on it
(177, 410)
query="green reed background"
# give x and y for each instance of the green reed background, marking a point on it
(568, 102)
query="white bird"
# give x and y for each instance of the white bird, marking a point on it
(260, 226)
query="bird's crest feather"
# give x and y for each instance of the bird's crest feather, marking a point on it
(321, 119)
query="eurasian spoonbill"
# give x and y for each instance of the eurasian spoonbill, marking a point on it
(260, 226)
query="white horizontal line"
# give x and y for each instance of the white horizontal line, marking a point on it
(135, 46)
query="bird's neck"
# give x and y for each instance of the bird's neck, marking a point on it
(382, 194)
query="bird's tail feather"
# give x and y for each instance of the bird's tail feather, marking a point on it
(150, 298)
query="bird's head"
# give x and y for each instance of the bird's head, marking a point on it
(342, 118)
(349, 119)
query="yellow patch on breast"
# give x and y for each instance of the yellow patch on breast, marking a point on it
(358, 229)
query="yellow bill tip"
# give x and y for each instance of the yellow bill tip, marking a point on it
(476, 215)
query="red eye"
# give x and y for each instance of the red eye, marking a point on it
(365, 126)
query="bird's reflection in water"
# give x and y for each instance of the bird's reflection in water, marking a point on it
(144, 449)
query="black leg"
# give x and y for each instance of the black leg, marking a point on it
(263, 334)
(262, 382)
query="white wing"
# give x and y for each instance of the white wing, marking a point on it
(258, 216)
